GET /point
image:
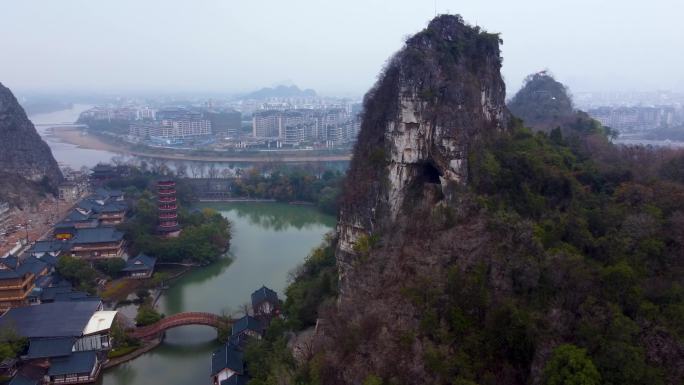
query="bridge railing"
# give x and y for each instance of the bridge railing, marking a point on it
(180, 319)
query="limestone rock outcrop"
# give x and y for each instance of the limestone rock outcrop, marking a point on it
(27, 167)
(437, 96)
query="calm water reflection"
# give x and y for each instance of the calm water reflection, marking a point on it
(270, 239)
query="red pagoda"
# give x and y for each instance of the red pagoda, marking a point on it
(168, 209)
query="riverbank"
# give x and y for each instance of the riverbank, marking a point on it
(73, 135)
(76, 137)
(134, 354)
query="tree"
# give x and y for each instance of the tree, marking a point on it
(147, 315)
(11, 343)
(78, 272)
(570, 365)
(111, 266)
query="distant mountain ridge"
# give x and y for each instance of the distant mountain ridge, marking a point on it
(281, 92)
(27, 167)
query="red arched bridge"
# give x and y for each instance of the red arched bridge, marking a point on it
(176, 320)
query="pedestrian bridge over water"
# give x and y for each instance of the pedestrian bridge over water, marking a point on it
(176, 320)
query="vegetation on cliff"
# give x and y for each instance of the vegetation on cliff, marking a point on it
(553, 258)
(27, 167)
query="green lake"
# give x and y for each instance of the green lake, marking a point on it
(269, 241)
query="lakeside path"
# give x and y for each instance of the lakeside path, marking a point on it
(73, 136)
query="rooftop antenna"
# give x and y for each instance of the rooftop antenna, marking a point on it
(435, 8)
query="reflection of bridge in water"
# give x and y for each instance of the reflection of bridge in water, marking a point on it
(176, 320)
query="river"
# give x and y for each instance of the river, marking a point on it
(68, 154)
(74, 156)
(269, 240)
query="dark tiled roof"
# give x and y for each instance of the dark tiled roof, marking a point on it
(104, 193)
(50, 293)
(264, 294)
(64, 225)
(44, 281)
(77, 216)
(9, 274)
(10, 261)
(50, 347)
(32, 265)
(21, 380)
(64, 292)
(114, 207)
(97, 235)
(75, 296)
(57, 319)
(227, 356)
(49, 259)
(140, 263)
(29, 265)
(48, 247)
(239, 340)
(246, 323)
(236, 379)
(77, 362)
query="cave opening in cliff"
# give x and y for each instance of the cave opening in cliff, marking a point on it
(430, 173)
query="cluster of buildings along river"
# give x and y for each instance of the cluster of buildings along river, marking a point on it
(68, 330)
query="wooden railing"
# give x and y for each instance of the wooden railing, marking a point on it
(176, 320)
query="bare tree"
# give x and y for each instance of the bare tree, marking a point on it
(118, 160)
(164, 168)
(213, 171)
(245, 309)
(156, 165)
(181, 169)
(196, 169)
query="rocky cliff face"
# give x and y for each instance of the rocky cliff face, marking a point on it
(27, 167)
(437, 96)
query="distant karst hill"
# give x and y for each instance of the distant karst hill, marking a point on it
(543, 103)
(27, 167)
(281, 92)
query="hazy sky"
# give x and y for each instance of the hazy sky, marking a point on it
(335, 47)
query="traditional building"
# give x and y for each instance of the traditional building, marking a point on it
(101, 173)
(247, 326)
(265, 303)
(141, 266)
(53, 248)
(96, 243)
(76, 368)
(17, 280)
(70, 338)
(168, 209)
(107, 206)
(226, 362)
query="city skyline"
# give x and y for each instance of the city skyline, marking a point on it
(238, 47)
